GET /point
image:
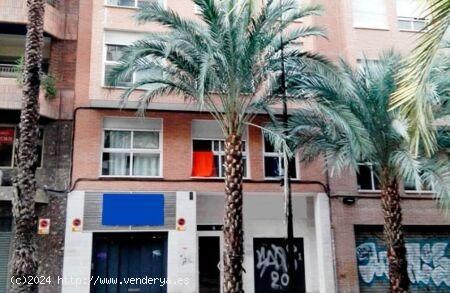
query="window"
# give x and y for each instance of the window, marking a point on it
(208, 149)
(370, 14)
(132, 3)
(7, 148)
(113, 55)
(274, 163)
(7, 135)
(412, 186)
(410, 15)
(112, 58)
(131, 153)
(209, 158)
(132, 147)
(367, 178)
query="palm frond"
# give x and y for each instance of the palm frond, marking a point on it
(411, 96)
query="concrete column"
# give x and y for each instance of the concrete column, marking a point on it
(78, 249)
(182, 247)
(327, 282)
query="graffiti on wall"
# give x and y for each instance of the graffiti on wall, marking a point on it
(270, 261)
(428, 262)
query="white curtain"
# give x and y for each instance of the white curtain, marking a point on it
(146, 165)
(118, 163)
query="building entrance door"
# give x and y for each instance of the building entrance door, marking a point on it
(209, 254)
(129, 262)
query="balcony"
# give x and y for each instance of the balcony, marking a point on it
(11, 94)
(15, 11)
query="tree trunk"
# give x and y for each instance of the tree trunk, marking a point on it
(393, 233)
(233, 231)
(24, 260)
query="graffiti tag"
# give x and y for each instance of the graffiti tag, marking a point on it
(271, 264)
(428, 263)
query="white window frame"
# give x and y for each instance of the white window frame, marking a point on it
(135, 6)
(132, 151)
(220, 153)
(372, 178)
(13, 159)
(416, 190)
(280, 159)
(109, 62)
(412, 21)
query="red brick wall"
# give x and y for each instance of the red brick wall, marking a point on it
(177, 156)
(367, 211)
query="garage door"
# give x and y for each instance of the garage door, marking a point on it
(428, 254)
(5, 242)
(129, 262)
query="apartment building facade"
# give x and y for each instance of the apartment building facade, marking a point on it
(56, 102)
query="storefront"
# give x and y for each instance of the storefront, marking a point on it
(176, 237)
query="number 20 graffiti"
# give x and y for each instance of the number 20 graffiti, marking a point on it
(271, 267)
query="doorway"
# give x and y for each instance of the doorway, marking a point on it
(118, 257)
(210, 262)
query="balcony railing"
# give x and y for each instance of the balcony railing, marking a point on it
(7, 70)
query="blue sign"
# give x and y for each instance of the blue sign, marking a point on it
(133, 209)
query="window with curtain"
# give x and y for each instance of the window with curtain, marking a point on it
(131, 153)
(209, 157)
(370, 14)
(274, 162)
(411, 15)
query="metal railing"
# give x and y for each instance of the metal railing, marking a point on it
(8, 70)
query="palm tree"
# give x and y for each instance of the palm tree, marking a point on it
(224, 63)
(344, 115)
(410, 95)
(24, 261)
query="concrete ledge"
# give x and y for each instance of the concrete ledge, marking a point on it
(6, 194)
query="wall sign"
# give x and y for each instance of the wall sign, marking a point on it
(76, 225)
(43, 226)
(133, 209)
(270, 261)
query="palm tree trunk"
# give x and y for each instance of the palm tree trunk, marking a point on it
(393, 233)
(233, 231)
(24, 260)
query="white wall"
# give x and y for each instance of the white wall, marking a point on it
(181, 258)
(77, 249)
(182, 248)
(264, 217)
